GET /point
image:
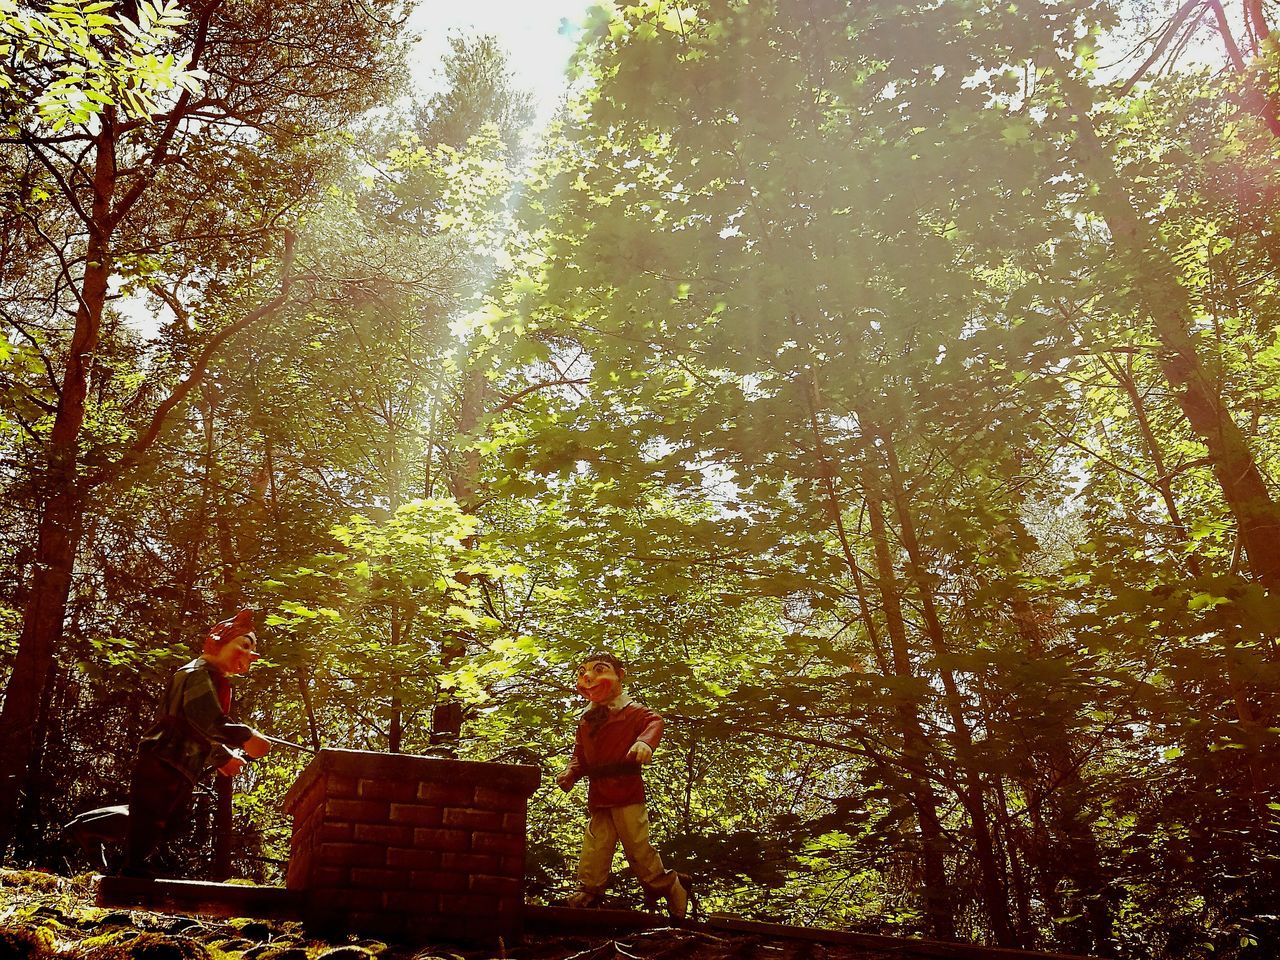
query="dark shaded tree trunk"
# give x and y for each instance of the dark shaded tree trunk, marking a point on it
(61, 521)
(1193, 383)
(973, 795)
(464, 486)
(939, 908)
(223, 790)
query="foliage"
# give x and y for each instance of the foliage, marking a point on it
(74, 59)
(844, 367)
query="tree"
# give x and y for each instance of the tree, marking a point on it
(102, 169)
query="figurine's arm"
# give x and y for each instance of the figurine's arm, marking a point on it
(647, 740)
(571, 774)
(202, 710)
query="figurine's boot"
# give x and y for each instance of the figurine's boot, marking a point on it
(582, 899)
(677, 900)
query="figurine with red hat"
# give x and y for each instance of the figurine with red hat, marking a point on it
(192, 733)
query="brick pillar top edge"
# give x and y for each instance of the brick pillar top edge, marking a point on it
(365, 764)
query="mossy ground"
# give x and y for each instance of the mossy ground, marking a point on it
(48, 917)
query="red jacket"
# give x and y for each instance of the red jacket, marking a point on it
(600, 755)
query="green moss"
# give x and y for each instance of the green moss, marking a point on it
(289, 951)
(150, 946)
(251, 929)
(25, 943)
(348, 952)
(107, 938)
(30, 879)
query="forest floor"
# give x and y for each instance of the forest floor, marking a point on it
(44, 916)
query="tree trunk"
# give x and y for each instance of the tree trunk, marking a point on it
(304, 692)
(939, 908)
(1154, 279)
(223, 790)
(464, 485)
(1074, 855)
(973, 795)
(61, 522)
(1163, 481)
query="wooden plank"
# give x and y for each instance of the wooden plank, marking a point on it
(594, 920)
(905, 946)
(207, 899)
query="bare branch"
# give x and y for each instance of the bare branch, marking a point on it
(515, 398)
(179, 393)
(1166, 37)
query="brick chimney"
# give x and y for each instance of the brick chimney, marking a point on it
(410, 848)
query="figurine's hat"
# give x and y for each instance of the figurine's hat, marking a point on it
(238, 626)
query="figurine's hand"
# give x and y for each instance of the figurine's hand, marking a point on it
(257, 746)
(565, 780)
(640, 752)
(231, 767)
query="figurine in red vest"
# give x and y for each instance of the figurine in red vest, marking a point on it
(615, 737)
(192, 733)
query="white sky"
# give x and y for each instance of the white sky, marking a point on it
(531, 31)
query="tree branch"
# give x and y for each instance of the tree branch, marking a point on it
(1166, 37)
(179, 393)
(515, 398)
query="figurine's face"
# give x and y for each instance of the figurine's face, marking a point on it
(598, 681)
(236, 655)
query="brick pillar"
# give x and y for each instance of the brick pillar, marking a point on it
(410, 848)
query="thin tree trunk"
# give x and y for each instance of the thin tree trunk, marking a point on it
(1154, 280)
(1079, 860)
(1163, 481)
(938, 905)
(304, 691)
(939, 908)
(973, 795)
(464, 486)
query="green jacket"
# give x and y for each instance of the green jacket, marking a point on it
(192, 731)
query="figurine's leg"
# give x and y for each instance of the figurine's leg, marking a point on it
(632, 824)
(599, 840)
(156, 798)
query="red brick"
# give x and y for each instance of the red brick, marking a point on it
(341, 786)
(378, 879)
(434, 839)
(327, 877)
(471, 862)
(366, 811)
(400, 790)
(498, 886)
(413, 901)
(413, 858)
(504, 800)
(475, 819)
(307, 804)
(459, 794)
(417, 814)
(350, 855)
(334, 831)
(513, 866)
(439, 882)
(383, 834)
(468, 903)
(514, 822)
(507, 843)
